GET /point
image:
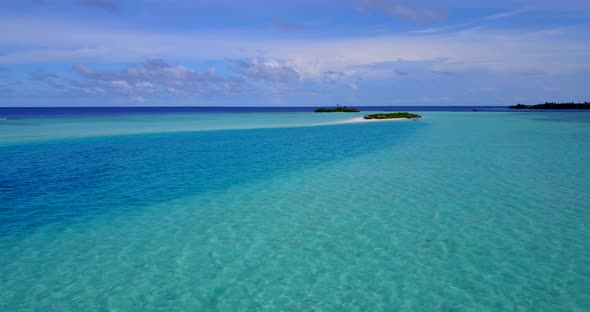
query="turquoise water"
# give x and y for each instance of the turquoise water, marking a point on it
(460, 211)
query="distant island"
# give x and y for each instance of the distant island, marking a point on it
(393, 116)
(551, 105)
(337, 109)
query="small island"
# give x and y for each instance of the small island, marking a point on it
(337, 109)
(551, 105)
(399, 115)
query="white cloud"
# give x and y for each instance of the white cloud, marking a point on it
(266, 69)
(155, 77)
(508, 14)
(144, 85)
(122, 84)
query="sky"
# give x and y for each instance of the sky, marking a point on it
(293, 53)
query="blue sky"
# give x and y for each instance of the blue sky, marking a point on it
(293, 53)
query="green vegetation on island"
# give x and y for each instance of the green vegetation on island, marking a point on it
(393, 116)
(551, 105)
(337, 109)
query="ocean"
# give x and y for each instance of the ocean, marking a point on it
(264, 209)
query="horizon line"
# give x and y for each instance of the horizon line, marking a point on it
(250, 106)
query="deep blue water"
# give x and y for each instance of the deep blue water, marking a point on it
(56, 181)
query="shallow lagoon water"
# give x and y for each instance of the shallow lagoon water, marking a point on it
(460, 211)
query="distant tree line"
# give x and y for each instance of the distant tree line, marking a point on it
(337, 109)
(393, 116)
(553, 105)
